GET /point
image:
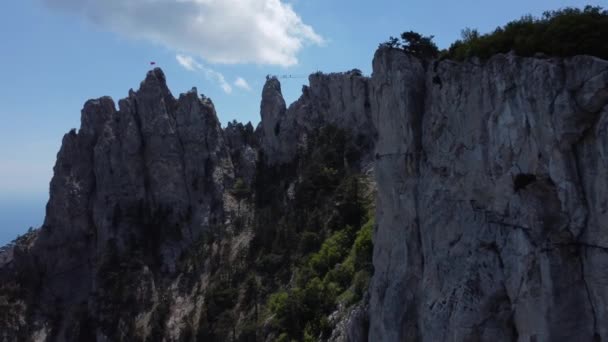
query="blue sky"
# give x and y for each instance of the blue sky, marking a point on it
(56, 54)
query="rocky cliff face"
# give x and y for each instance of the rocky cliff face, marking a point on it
(491, 199)
(153, 213)
(133, 188)
(339, 99)
(490, 212)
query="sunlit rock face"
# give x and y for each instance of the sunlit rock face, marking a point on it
(492, 199)
(338, 99)
(491, 207)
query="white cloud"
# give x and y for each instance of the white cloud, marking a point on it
(189, 63)
(219, 31)
(241, 83)
(221, 80)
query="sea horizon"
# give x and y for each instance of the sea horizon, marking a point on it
(18, 214)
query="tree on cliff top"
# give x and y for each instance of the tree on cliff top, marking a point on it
(565, 32)
(415, 44)
(418, 45)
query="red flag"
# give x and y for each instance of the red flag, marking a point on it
(152, 63)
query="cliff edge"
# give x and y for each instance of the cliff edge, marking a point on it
(482, 183)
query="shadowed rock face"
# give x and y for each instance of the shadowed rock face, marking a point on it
(147, 179)
(491, 210)
(491, 202)
(338, 99)
(144, 216)
(156, 158)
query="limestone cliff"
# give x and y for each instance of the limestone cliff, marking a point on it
(339, 99)
(156, 217)
(490, 212)
(491, 199)
(132, 190)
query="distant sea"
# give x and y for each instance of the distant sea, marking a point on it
(19, 214)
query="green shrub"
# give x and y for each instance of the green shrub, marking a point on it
(283, 338)
(350, 201)
(290, 312)
(339, 271)
(566, 32)
(334, 249)
(248, 332)
(418, 45)
(303, 246)
(309, 242)
(276, 302)
(363, 247)
(361, 283)
(414, 44)
(219, 299)
(251, 290)
(270, 263)
(341, 275)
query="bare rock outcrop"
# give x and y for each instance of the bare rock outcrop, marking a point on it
(491, 210)
(133, 187)
(152, 214)
(491, 202)
(243, 144)
(338, 99)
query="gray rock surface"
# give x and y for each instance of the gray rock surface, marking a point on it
(274, 123)
(339, 99)
(243, 145)
(353, 325)
(140, 183)
(491, 199)
(492, 204)
(152, 209)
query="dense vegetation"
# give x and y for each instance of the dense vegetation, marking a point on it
(338, 272)
(311, 248)
(565, 32)
(319, 254)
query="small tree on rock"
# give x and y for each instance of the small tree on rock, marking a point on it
(413, 43)
(418, 45)
(392, 43)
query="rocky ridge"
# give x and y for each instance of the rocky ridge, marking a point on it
(151, 217)
(489, 211)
